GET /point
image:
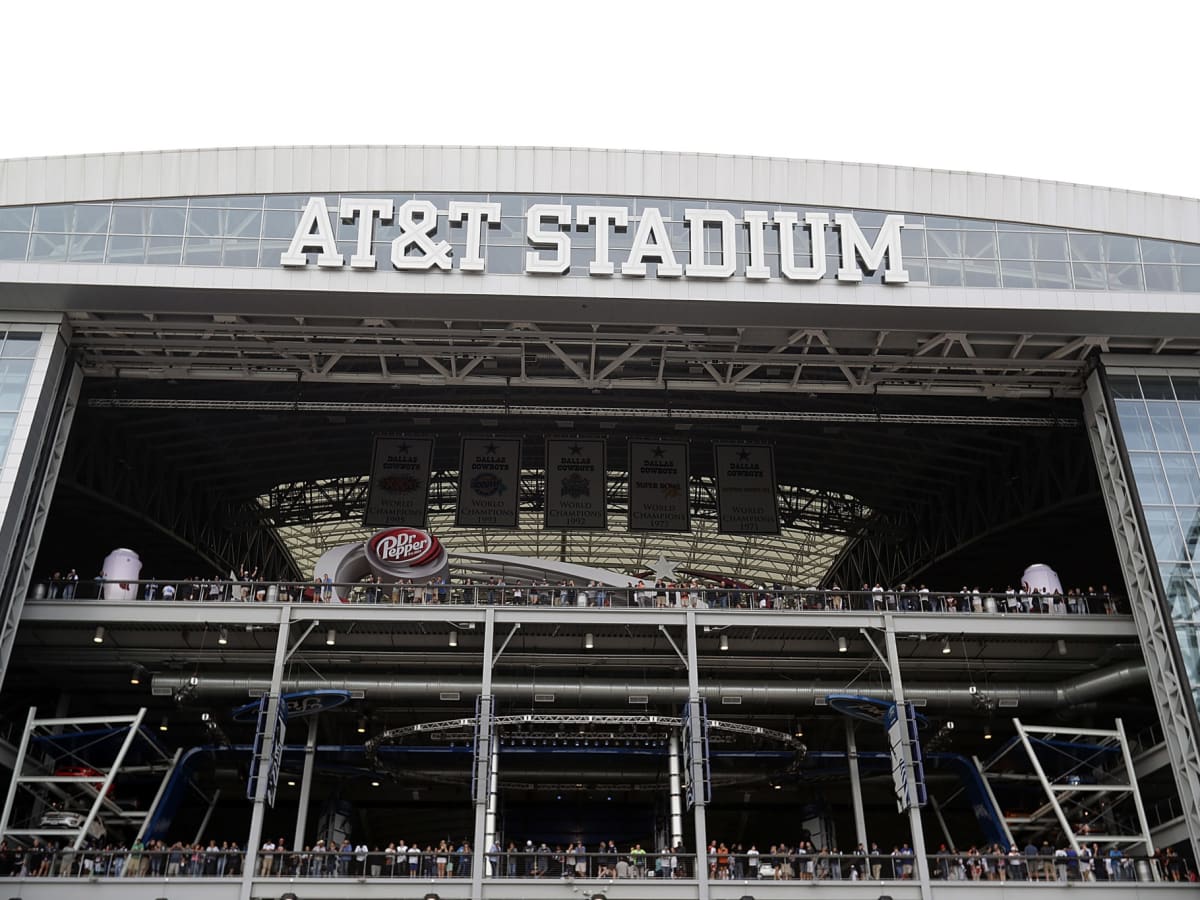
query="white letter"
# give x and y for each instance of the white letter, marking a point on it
(559, 215)
(314, 233)
(474, 213)
(725, 222)
(651, 226)
(855, 242)
(787, 249)
(603, 216)
(756, 221)
(366, 210)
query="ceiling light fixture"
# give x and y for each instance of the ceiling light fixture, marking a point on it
(163, 725)
(222, 636)
(987, 732)
(331, 637)
(453, 638)
(842, 645)
(946, 647)
(1062, 647)
(588, 641)
(135, 676)
(362, 725)
(724, 642)
(98, 637)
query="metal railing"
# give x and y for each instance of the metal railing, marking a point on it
(51, 862)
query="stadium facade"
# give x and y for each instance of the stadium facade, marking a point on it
(949, 377)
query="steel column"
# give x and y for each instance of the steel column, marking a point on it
(696, 774)
(310, 758)
(856, 798)
(483, 755)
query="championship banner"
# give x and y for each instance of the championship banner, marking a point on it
(658, 486)
(398, 490)
(575, 484)
(746, 498)
(489, 483)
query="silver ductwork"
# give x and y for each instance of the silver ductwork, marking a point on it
(1080, 689)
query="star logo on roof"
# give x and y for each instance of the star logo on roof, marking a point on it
(402, 448)
(490, 448)
(663, 569)
(658, 452)
(743, 454)
(575, 449)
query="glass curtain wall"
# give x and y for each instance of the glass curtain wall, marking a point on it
(1159, 416)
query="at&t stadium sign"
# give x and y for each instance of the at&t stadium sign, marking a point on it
(549, 228)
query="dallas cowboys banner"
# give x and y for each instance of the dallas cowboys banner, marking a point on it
(489, 483)
(398, 490)
(575, 484)
(746, 502)
(658, 486)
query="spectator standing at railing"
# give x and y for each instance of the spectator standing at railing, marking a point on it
(70, 585)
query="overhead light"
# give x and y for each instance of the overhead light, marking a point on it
(588, 641)
(222, 637)
(331, 637)
(204, 717)
(842, 645)
(163, 725)
(777, 786)
(724, 642)
(799, 729)
(98, 637)
(946, 646)
(291, 782)
(374, 784)
(453, 638)
(135, 676)
(362, 725)
(1062, 647)
(987, 732)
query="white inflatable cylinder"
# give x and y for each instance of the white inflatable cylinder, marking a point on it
(120, 571)
(1041, 577)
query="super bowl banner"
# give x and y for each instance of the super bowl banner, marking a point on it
(658, 486)
(575, 484)
(489, 484)
(398, 491)
(746, 501)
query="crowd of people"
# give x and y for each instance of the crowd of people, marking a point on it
(450, 859)
(249, 586)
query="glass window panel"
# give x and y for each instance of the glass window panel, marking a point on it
(1156, 251)
(1135, 424)
(912, 241)
(1089, 276)
(164, 251)
(942, 222)
(21, 344)
(980, 273)
(1189, 254)
(1015, 245)
(1156, 387)
(1124, 277)
(202, 251)
(1049, 245)
(166, 220)
(203, 222)
(1017, 273)
(53, 218)
(945, 243)
(13, 244)
(247, 223)
(127, 248)
(7, 422)
(48, 247)
(1118, 248)
(14, 375)
(1187, 387)
(272, 250)
(131, 220)
(239, 253)
(1165, 535)
(918, 269)
(280, 224)
(980, 244)
(1087, 247)
(87, 248)
(287, 201)
(1124, 386)
(945, 272)
(506, 260)
(91, 219)
(1167, 423)
(247, 202)
(1191, 421)
(1150, 478)
(16, 218)
(1182, 477)
(1052, 274)
(1182, 595)
(1162, 278)
(1189, 278)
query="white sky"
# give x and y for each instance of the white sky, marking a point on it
(1094, 92)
